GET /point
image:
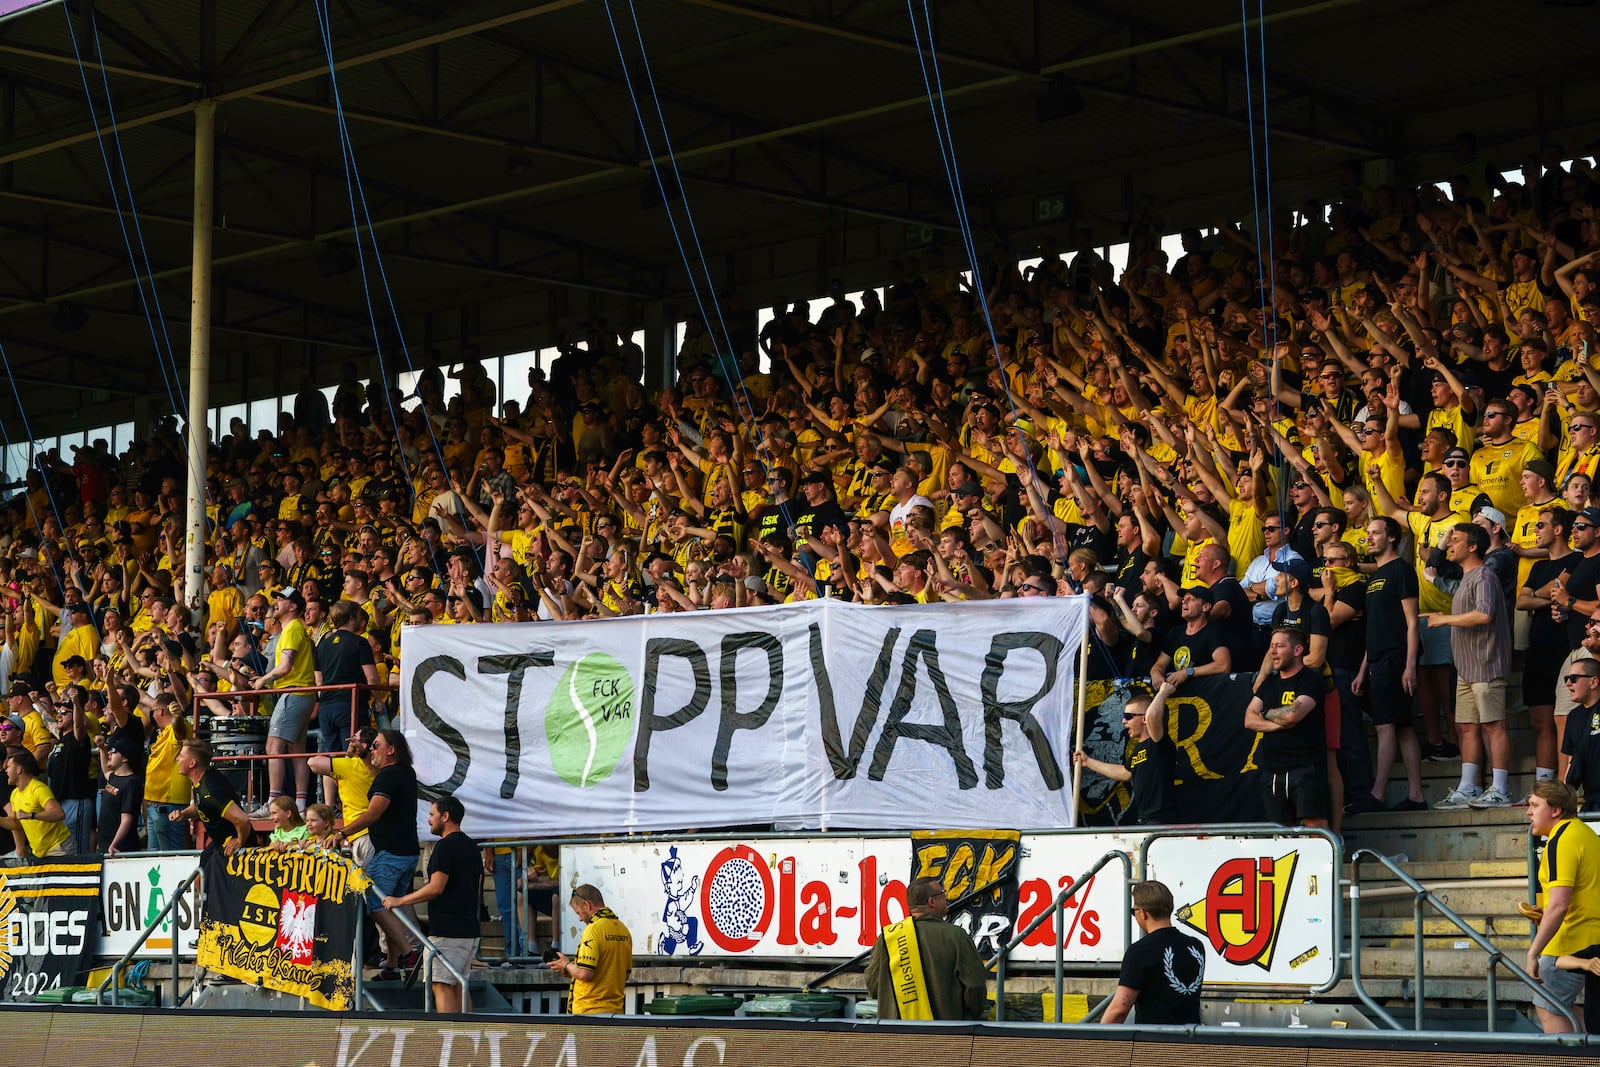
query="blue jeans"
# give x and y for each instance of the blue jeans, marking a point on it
(80, 822)
(391, 876)
(161, 833)
(506, 876)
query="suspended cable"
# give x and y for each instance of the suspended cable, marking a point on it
(727, 359)
(354, 190)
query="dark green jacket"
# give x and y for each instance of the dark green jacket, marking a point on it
(958, 984)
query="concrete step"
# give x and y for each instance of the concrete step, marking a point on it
(1455, 941)
(1394, 926)
(1444, 870)
(1440, 963)
(1487, 900)
(1395, 993)
(1492, 834)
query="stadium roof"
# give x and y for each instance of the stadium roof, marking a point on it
(501, 157)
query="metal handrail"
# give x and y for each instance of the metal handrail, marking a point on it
(1422, 895)
(150, 928)
(1057, 912)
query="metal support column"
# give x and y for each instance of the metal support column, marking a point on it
(205, 126)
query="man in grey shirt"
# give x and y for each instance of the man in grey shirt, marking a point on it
(1480, 644)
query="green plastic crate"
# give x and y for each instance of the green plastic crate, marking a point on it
(59, 995)
(693, 1004)
(796, 1006)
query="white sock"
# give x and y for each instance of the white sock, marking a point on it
(1544, 774)
(1502, 780)
(1469, 779)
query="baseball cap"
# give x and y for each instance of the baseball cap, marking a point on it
(814, 478)
(126, 748)
(1199, 592)
(14, 721)
(1296, 568)
(886, 464)
(1457, 452)
(291, 595)
(1542, 468)
(1494, 515)
(1589, 515)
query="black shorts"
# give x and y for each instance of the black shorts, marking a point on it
(1541, 674)
(1387, 700)
(1291, 797)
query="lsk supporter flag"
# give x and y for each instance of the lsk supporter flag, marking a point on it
(284, 920)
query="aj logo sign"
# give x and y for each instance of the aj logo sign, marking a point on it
(1241, 914)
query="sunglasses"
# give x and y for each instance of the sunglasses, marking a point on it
(1454, 463)
(1569, 679)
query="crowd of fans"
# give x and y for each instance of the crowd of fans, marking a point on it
(1330, 443)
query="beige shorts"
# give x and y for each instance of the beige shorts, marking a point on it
(1481, 702)
(458, 952)
(361, 850)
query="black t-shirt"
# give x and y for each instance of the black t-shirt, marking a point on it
(340, 657)
(1581, 741)
(123, 795)
(67, 769)
(1580, 584)
(1303, 744)
(1130, 572)
(1310, 616)
(1543, 630)
(1386, 621)
(1167, 967)
(212, 795)
(134, 732)
(1154, 766)
(395, 831)
(1238, 630)
(772, 519)
(454, 913)
(1347, 642)
(1192, 650)
(813, 520)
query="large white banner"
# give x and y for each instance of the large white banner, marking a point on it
(822, 714)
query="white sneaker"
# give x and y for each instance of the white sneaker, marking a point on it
(1493, 798)
(301, 803)
(263, 812)
(1455, 800)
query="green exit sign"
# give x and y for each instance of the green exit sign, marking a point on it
(918, 236)
(1050, 208)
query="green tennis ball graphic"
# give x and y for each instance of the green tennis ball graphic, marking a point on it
(589, 719)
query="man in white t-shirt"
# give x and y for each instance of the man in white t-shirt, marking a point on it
(903, 487)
